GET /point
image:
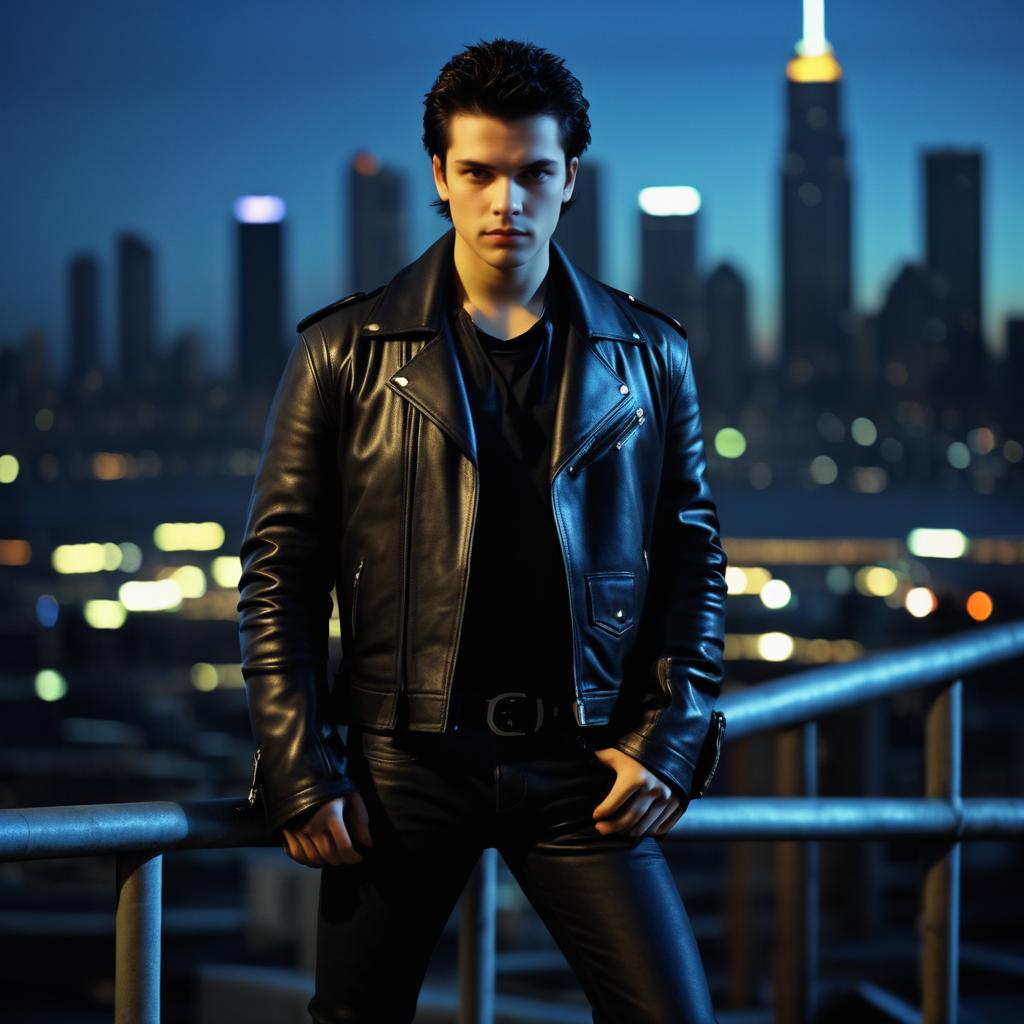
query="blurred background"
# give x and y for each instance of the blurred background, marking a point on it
(832, 208)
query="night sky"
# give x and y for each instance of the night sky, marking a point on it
(153, 117)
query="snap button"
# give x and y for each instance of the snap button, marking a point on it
(373, 327)
(631, 299)
(624, 388)
(635, 335)
(618, 614)
(401, 380)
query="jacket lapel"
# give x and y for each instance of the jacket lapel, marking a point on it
(414, 304)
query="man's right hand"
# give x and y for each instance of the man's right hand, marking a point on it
(324, 836)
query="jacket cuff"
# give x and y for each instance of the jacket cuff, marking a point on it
(663, 760)
(280, 814)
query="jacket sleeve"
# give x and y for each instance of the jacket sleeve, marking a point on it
(288, 558)
(681, 642)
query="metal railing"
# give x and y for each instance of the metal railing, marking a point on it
(138, 834)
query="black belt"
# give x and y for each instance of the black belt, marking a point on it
(516, 713)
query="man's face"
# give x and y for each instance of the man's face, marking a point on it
(505, 174)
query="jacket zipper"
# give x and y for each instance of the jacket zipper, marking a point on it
(465, 591)
(720, 717)
(601, 444)
(355, 593)
(252, 785)
(406, 530)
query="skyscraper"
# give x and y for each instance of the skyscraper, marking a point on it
(669, 275)
(952, 222)
(83, 317)
(261, 344)
(579, 231)
(136, 309)
(378, 219)
(817, 321)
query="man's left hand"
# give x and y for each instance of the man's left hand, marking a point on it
(640, 801)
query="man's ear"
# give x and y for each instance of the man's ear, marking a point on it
(570, 178)
(439, 181)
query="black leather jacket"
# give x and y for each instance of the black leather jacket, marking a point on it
(367, 483)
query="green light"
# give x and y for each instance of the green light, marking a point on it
(730, 443)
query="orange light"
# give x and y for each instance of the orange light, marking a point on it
(14, 551)
(979, 606)
(817, 68)
(365, 162)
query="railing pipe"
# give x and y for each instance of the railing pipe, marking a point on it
(941, 888)
(137, 937)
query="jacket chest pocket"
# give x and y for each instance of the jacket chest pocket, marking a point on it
(611, 600)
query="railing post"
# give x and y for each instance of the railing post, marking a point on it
(137, 937)
(941, 886)
(790, 957)
(812, 862)
(477, 931)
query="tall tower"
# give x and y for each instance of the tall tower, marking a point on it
(84, 317)
(669, 275)
(579, 230)
(136, 309)
(379, 219)
(817, 321)
(953, 245)
(261, 343)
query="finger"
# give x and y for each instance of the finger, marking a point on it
(654, 814)
(630, 815)
(671, 806)
(342, 841)
(309, 850)
(293, 847)
(617, 797)
(359, 819)
(674, 817)
(323, 843)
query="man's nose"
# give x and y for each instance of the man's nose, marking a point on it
(508, 196)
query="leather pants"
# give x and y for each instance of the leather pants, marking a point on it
(435, 802)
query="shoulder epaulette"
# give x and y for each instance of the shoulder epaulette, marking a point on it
(321, 313)
(657, 312)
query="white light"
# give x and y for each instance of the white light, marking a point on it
(775, 594)
(775, 646)
(150, 595)
(259, 209)
(813, 43)
(669, 200)
(936, 543)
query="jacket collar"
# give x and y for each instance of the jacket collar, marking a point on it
(593, 396)
(415, 300)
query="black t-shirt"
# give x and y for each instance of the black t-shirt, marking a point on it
(516, 631)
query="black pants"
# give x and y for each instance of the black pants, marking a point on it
(436, 801)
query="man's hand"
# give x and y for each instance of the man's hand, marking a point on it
(323, 837)
(646, 805)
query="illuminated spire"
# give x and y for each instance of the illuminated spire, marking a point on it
(814, 61)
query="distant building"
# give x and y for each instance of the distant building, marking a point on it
(953, 246)
(579, 230)
(83, 316)
(726, 372)
(378, 222)
(136, 311)
(817, 321)
(263, 342)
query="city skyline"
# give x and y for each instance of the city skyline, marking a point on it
(189, 224)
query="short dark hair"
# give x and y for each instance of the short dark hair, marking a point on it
(507, 79)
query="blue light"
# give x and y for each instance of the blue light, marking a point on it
(47, 610)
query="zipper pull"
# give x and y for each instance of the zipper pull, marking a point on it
(252, 786)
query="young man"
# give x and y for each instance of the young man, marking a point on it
(499, 462)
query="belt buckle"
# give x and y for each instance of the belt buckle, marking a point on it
(492, 707)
